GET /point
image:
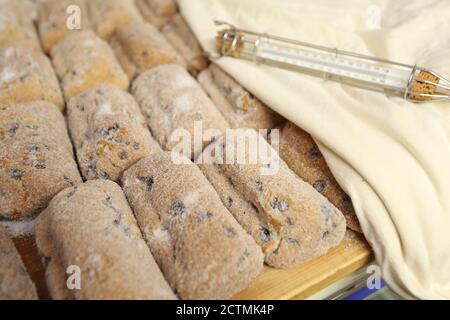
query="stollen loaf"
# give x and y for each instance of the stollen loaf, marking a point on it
(300, 152)
(109, 132)
(201, 249)
(287, 217)
(91, 228)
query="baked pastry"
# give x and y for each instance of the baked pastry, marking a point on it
(82, 60)
(17, 24)
(245, 213)
(290, 220)
(237, 105)
(181, 37)
(36, 158)
(174, 104)
(22, 8)
(52, 20)
(139, 46)
(157, 12)
(200, 248)
(27, 75)
(91, 229)
(14, 279)
(109, 132)
(107, 15)
(303, 156)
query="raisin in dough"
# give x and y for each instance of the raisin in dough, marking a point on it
(290, 220)
(27, 75)
(15, 283)
(201, 249)
(139, 46)
(157, 12)
(172, 100)
(181, 37)
(107, 15)
(91, 226)
(109, 132)
(300, 152)
(52, 20)
(36, 158)
(246, 214)
(17, 24)
(238, 106)
(82, 60)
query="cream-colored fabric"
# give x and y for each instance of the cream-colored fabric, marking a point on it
(391, 156)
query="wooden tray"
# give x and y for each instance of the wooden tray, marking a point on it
(305, 280)
(294, 283)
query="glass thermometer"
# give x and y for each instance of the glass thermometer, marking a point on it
(413, 83)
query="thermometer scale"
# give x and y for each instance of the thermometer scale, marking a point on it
(411, 82)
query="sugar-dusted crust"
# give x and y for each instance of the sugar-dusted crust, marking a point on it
(157, 12)
(245, 213)
(36, 158)
(290, 220)
(91, 226)
(181, 37)
(14, 279)
(86, 45)
(107, 15)
(172, 100)
(27, 75)
(201, 249)
(22, 8)
(139, 46)
(17, 24)
(238, 106)
(52, 20)
(109, 132)
(82, 60)
(303, 156)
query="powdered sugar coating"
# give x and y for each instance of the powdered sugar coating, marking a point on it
(52, 20)
(303, 156)
(94, 63)
(139, 46)
(109, 132)
(24, 9)
(91, 226)
(14, 279)
(203, 252)
(18, 229)
(171, 100)
(157, 12)
(107, 15)
(27, 75)
(245, 213)
(17, 24)
(296, 223)
(36, 158)
(184, 41)
(237, 105)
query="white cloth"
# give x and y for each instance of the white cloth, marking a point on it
(392, 157)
